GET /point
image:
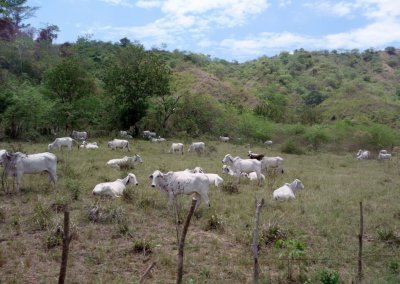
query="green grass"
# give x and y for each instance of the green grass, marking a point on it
(324, 216)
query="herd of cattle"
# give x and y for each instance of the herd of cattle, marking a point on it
(188, 181)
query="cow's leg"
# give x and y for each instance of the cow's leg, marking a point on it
(198, 198)
(204, 197)
(18, 178)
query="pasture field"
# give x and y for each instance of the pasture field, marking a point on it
(139, 228)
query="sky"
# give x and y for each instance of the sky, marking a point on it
(238, 30)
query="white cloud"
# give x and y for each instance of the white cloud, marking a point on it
(333, 8)
(148, 4)
(284, 3)
(377, 34)
(118, 2)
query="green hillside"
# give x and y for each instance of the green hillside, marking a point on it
(342, 98)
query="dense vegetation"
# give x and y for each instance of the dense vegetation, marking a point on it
(345, 99)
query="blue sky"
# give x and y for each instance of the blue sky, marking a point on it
(229, 29)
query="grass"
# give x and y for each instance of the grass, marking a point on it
(324, 216)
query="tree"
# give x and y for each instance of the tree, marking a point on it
(68, 83)
(12, 13)
(131, 77)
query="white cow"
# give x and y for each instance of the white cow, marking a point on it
(79, 135)
(149, 134)
(224, 139)
(173, 183)
(199, 147)
(18, 164)
(362, 155)
(384, 156)
(115, 188)
(239, 165)
(250, 176)
(176, 147)
(118, 162)
(92, 145)
(118, 143)
(288, 190)
(269, 163)
(213, 179)
(62, 141)
(159, 139)
(268, 142)
(2, 153)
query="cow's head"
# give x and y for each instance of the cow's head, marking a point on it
(155, 178)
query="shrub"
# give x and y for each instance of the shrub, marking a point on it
(230, 187)
(329, 276)
(41, 216)
(394, 267)
(54, 237)
(273, 233)
(142, 246)
(74, 188)
(290, 147)
(215, 222)
(316, 135)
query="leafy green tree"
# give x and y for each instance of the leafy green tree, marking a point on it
(68, 83)
(131, 77)
(12, 13)
(27, 112)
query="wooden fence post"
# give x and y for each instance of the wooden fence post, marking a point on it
(360, 245)
(65, 249)
(179, 272)
(255, 241)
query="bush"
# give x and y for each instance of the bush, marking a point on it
(215, 222)
(41, 216)
(230, 187)
(142, 246)
(329, 276)
(74, 187)
(290, 147)
(316, 135)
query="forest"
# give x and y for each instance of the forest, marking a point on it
(334, 99)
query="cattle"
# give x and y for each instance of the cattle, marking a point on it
(176, 147)
(363, 155)
(159, 139)
(253, 155)
(79, 135)
(173, 183)
(149, 134)
(213, 179)
(125, 160)
(2, 153)
(124, 134)
(250, 176)
(288, 190)
(239, 165)
(199, 147)
(118, 143)
(86, 145)
(115, 188)
(268, 142)
(224, 139)
(272, 163)
(62, 141)
(17, 164)
(384, 156)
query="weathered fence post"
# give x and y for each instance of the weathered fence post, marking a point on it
(256, 274)
(179, 272)
(65, 248)
(360, 244)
